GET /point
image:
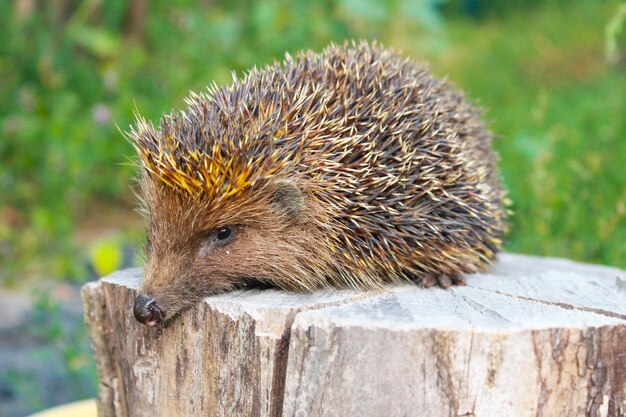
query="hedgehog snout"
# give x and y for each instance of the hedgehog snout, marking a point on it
(147, 311)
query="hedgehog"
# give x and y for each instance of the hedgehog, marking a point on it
(353, 167)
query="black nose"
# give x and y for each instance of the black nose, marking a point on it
(147, 311)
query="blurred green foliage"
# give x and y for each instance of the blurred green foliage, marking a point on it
(54, 367)
(559, 108)
(71, 72)
(69, 343)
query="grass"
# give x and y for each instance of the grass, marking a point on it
(559, 110)
(540, 72)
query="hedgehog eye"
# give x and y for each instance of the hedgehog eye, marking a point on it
(223, 235)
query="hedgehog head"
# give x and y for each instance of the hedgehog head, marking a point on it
(223, 209)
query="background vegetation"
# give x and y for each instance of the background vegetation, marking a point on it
(551, 74)
(74, 72)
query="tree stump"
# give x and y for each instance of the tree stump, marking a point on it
(533, 337)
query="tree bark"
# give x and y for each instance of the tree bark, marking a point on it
(533, 337)
(136, 20)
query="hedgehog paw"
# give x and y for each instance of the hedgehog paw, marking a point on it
(443, 280)
(458, 280)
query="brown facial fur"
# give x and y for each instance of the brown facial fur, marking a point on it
(353, 167)
(272, 242)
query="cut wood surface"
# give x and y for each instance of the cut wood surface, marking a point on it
(532, 337)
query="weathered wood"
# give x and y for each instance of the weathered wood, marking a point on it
(534, 337)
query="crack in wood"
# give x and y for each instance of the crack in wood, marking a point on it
(565, 306)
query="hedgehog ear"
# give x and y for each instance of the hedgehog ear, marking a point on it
(287, 196)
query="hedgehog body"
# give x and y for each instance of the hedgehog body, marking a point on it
(351, 167)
